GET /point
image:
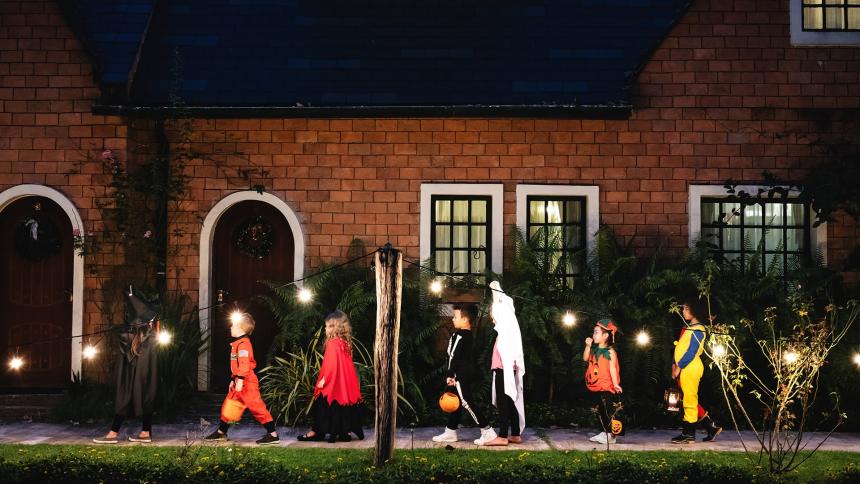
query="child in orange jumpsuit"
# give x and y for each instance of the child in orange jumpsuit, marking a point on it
(244, 386)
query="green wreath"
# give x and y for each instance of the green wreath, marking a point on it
(255, 238)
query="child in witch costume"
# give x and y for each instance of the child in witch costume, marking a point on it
(688, 368)
(137, 373)
(603, 376)
(337, 396)
(508, 366)
(460, 375)
(244, 385)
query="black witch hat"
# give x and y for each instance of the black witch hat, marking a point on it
(144, 312)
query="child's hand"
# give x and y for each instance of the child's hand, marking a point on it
(321, 383)
(451, 382)
(617, 388)
(588, 341)
(239, 384)
(676, 371)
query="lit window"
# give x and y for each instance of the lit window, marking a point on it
(460, 234)
(556, 226)
(831, 15)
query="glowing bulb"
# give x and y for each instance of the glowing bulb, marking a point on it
(718, 351)
(790, 357)
(164, 337)
(16, 363)
(436, 286)
(643, 338)
(857, 359)
(568, 319)
(236, 317)
(305, 295)
(90, 352)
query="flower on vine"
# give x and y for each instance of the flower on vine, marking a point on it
(76, 232)
(829, 307)
(802, 313)
(147, 234)
(107, 154)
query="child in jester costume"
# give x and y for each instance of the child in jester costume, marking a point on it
(688, 368)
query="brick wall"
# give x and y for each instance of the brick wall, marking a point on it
(724, 96)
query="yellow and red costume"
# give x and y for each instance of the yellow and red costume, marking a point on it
(688, 351)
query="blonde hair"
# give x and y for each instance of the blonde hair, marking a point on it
(247, 323)
(340, 329)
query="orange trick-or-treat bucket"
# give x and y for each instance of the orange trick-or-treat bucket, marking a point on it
(232, 410)
(449, 402)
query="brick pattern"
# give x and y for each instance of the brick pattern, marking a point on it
(724, 96)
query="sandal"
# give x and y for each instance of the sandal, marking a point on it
(316, 437)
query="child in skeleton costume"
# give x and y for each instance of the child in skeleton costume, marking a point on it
(603, 376)
(508, 367)
(460, 375)
(137, 373)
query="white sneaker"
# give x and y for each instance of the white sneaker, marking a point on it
(487, 435)
(447, 436)
(604, 438)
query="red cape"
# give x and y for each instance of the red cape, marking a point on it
(341, 379)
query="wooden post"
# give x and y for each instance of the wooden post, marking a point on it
(389, 272)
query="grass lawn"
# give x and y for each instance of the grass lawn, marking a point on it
(205, 464)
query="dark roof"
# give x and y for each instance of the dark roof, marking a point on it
(378, 53)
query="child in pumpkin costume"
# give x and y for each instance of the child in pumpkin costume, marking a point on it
(603, 376)
(244, 385)
(337, 396)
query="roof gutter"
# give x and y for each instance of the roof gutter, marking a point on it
(613, 111)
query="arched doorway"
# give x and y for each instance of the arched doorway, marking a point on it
(233, 259)
(36, 293)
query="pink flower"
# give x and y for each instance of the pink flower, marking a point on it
(147, 234)
(107, 154)
(76, 232)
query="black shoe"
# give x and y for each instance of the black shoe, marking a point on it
(710, 427)
(687, 436)
(269, 439)
(344, 438)
(216, 435)
(317, 437)
(332, 438)
(359, 433)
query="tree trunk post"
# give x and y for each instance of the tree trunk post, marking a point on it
(389, 272)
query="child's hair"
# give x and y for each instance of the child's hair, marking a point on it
(469, 310)
(247, 323)
(342, 328)
(698, 308)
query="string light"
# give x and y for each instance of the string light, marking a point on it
(436, 286)
(718, 351)
(236, 316)
(16, 363)
(89, 352)
(790, 357)
(568, 319)
(857, 359)
(164, 337)
(305, 295)
(643, 338)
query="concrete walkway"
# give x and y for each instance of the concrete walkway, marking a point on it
(419, 438)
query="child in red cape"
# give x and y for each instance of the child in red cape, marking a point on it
(337, 406)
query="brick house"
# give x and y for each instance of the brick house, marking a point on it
(434, 127)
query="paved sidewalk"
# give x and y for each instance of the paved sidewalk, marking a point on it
(419, 438)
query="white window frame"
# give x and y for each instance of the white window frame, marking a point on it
(495, 191)
(799, 37)
(817, 235)
(591, 193)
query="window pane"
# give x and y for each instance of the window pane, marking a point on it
(553, 212)
(794, 239)
(460, 264)
(443, 236)
(773, 240)
(479, 211)
(833, 18)
(574, 211)
(443, 210)
(479, 236)
(479, 261)
(773, 213)
(753, 237)
(461, 236)
(711, 235)
(775, 263)
(461, 210)
(554, 259)
(753, 214)
(732, 239)
(535, 232)
(794, 215)
(710, 213)
(443, 261)
(572, 237)
(812, 18)
(731, 213)
(554, 237)
(537, 212)
(829, 2)
(854, 18)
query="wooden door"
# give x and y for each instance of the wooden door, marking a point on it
(36, 269)
(253, 242)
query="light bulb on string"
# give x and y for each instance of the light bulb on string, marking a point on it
(15, 363)
(305, 295)
(718, 351)
(790, 357)
(643, 338)
(89, 352)
(236, 316)
(856, 359)
(164, 337)
(436, 286)
(569, 319)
